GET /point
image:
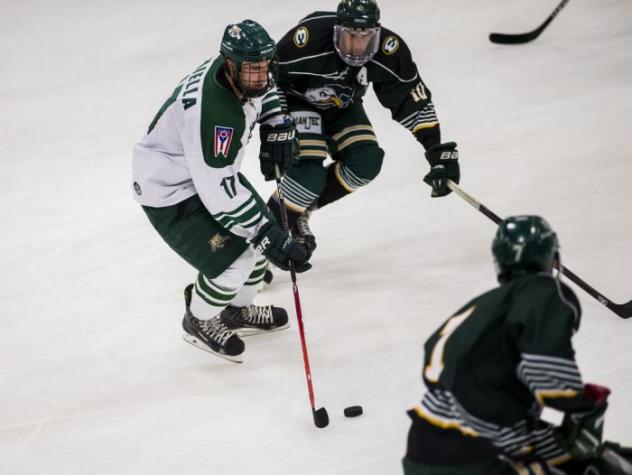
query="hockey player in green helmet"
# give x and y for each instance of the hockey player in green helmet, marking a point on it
(186, 178)
(326, 64)
(492, 366)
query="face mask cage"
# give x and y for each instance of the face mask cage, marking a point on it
(356, 46)
(255, 78)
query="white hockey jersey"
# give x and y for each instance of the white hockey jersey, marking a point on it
(196, 143)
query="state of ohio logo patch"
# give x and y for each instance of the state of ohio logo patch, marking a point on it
(301, 37)
(223, 137)
(390, 45)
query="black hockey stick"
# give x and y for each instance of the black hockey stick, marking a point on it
(512, 39)
(622, 310)
(321, 418)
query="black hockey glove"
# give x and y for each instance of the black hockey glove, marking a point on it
(281, 249)
(444, 166)
(279, 146)
(581, 432)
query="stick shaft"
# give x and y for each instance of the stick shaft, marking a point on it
(297, 299)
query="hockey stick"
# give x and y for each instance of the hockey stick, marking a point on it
(622, 310)
(512, 39)
(321, 418)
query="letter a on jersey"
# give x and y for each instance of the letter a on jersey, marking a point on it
(223, 136)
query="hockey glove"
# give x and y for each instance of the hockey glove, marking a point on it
(281, 249)
(581, 432)
(279, 146)
(444, 166)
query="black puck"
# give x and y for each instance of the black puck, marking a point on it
(353, 411)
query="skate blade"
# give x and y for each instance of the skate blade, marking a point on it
(246, 332)
(198, 344)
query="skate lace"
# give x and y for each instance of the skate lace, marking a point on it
(259, 315)
(216, 330)
(302, 224)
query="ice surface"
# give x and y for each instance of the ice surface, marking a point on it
(94, 375)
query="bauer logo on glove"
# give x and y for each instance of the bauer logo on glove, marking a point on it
(282, 137)
(450, 155)
(444, 165)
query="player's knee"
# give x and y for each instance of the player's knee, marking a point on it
(361, 165)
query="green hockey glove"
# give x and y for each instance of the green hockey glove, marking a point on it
(581, 432)
(444, 165)
(279, 146)
(281, 249)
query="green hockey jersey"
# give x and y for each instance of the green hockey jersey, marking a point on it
(195, 145)
(311, 71)
(491, 367)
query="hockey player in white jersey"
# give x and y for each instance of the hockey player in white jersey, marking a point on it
(186, 177)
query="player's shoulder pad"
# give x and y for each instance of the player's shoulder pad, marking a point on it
(311, 36)
(394, 55)
(544, 285)
(570, 298)
(392, 48)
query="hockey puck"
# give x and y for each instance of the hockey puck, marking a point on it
(353, 411)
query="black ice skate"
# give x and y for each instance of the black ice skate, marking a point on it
(301, 231)
(211, 335)
(254, 319)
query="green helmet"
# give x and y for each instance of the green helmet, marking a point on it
(358, 13)
(248, 41)
(524, 244)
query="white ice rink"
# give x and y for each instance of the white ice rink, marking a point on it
(94, 376)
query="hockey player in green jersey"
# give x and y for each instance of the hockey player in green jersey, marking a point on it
(492, 366)
(186, 177)
(326, 64)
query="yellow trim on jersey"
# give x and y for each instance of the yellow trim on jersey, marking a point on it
(357, 138)
(313, 143)
(313, 152)
(348, 130)
(425, 125)
(558, 460)
(554, 393)
(522, 469)
(445, 424)
(342, 180)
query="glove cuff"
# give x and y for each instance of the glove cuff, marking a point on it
(429, 137)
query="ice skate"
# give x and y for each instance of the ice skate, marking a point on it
(301, 230)
(211, 335)
(254, 319)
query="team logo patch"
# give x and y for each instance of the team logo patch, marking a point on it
(235, 32)
(217, 242)
(301, 37)
(223, 136)
(390, 45)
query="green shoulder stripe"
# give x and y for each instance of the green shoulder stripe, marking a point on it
(222, 121)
